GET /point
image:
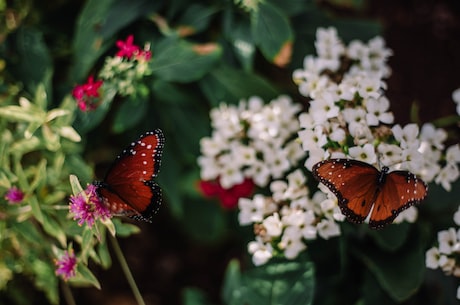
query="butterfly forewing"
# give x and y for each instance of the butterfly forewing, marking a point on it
(128, 186)
(400, 190)
(353, 182)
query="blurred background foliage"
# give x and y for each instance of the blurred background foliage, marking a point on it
(205, 53)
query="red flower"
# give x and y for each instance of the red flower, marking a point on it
(228, 197)
(87, 95)
(127, 48)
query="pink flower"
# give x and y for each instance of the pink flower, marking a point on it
(87, 95)
(228, 197)
(66, 265)
(88, 207)
(127, 48)
(14, 195)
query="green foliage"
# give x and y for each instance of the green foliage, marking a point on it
(283, 282)
(203, 54)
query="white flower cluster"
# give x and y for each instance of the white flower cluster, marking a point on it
(349, 113)
(446, 255)
(251, 140)
(286, 220)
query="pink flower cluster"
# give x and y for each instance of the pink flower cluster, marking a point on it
(87, 95)
(88, 207)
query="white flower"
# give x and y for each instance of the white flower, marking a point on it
(456, 98)
(447, 175)
(312, 139)
(432, 258)
(328, 228)
(365, 153)
(376, 111)
(447, 240)
(389, 153)
(273, 225)
(432, 135)
(230, 175)
(453, 154)
(457, 217)
(251, 210)
(410, 215)
(209, 168)
(406, 136)
(261, 252)
(291, 242)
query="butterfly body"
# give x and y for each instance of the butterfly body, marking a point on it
(363, 190)
(128, 188)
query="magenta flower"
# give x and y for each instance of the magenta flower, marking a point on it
(14, 195)
(66, 265)
(127, 48)
(88, 207)
(87, 95)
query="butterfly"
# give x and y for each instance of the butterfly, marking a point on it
(361, 189)
(128, 188)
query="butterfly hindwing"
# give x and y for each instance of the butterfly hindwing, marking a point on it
(400, 191)
(128, 187)
(352, 182)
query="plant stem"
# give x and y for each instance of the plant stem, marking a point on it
(126, 271)
(67, 294)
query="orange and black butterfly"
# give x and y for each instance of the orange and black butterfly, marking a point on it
(128, 188)
(362, 189)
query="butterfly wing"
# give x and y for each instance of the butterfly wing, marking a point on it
(353, 182)
(399, 191)
(128, 187)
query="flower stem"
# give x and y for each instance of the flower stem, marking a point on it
(126, 271)
(67, 294)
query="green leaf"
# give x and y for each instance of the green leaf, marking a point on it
(36, 210)
(388, 267)
(104, 254)
(196, 18)
(226, 84)
(53, 228)
(392, 237)
(204, 220)
(28, 230)
(19, 114)
(180, 61)
(46, 280)
(85, 277)
(241, 38)
(271, 30)
(281, 282)
(194, 296)
(35, 63)
(125, 229)
(130, 113)
(75, 185)
(86, 244)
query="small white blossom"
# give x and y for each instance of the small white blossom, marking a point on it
(261, 252)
